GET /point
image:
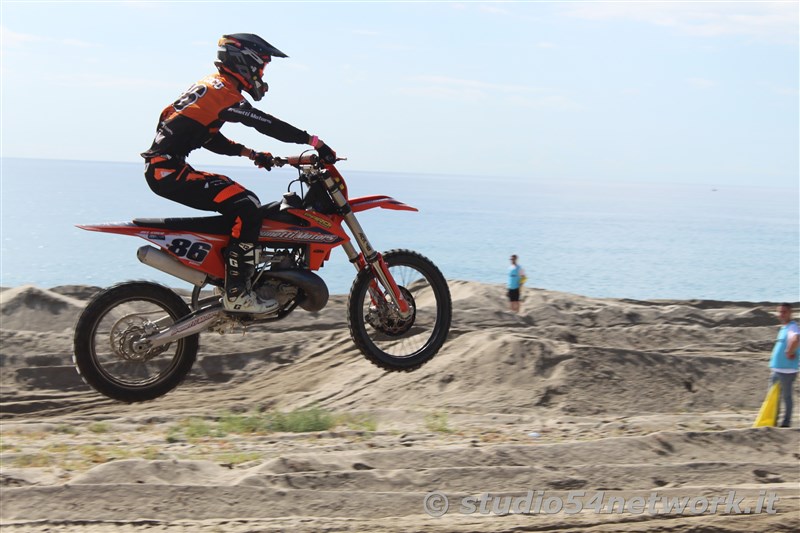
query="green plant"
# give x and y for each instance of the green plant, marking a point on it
(57, 448)
(232, 423)
(437, 422)
(94, 454)
(33, 460)
(297, 421)
(360, 421)
(238, 457)
(99, 427)
(151, 453)
(192, 429)
(302, 420)
(7, 447)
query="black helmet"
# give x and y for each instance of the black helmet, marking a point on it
(244, 56)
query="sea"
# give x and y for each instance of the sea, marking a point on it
(599, 238)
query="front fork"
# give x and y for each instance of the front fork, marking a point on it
(368, 257)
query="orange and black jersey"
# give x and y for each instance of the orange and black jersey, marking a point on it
(194, 120)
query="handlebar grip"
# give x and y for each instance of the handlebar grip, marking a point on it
(305, 159)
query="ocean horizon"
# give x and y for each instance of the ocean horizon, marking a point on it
(638, 240)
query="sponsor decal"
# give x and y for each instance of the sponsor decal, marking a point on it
(299, 235)
(156, 236)
(318, 219)
(251, 114)
(202, 319)
(365, 243)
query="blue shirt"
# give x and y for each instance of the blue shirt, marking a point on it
(779, 359)
(514, 273)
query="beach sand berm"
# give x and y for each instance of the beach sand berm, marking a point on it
(573, 394)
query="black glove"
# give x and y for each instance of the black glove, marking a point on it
(262, 159)
(326, 153)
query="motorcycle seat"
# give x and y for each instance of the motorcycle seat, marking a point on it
(219, 224)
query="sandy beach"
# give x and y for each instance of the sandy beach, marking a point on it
(576, 400)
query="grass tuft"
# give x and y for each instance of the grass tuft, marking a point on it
(437, 422)
(297, 421)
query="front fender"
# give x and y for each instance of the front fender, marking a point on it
(384, 202)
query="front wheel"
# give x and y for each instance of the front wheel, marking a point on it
(386, 338)
(108, 353)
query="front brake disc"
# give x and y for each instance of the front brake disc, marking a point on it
(386, 319)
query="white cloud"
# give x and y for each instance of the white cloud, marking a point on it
(775, 21)
(77, 43)
(493, 9)
(472, 91)
(12, 39)
(459, 83)
(366, 33)
(98, 81)
(779, 90)
(701, 83)
(552, 101)
(439, 92)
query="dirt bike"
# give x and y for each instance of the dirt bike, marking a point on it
(137, 340)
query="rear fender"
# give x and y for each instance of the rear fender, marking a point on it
(200, 251)
(123, 228)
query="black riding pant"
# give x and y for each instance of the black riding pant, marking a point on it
(176, 180)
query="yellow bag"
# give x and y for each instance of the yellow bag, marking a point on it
(768, 414)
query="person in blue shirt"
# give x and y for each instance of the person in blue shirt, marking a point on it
(516, 277)
(784, 361)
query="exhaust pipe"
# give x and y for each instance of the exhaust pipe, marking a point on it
(315, 292)
(152, 256)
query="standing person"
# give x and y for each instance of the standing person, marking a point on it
(193, 121)
(516, 277)
(784, 360)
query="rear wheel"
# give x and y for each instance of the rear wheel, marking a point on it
(107, 354)
(387, 339)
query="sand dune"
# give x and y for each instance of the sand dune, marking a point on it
(620, 397)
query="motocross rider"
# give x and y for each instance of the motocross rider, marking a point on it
(194, 121)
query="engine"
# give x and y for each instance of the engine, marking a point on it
(281, 291)
(284, 278)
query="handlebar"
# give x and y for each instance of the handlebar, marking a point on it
(301, 160)
(296, 160)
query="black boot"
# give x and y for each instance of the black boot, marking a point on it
(240, 264)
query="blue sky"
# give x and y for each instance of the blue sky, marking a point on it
(699, 92)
